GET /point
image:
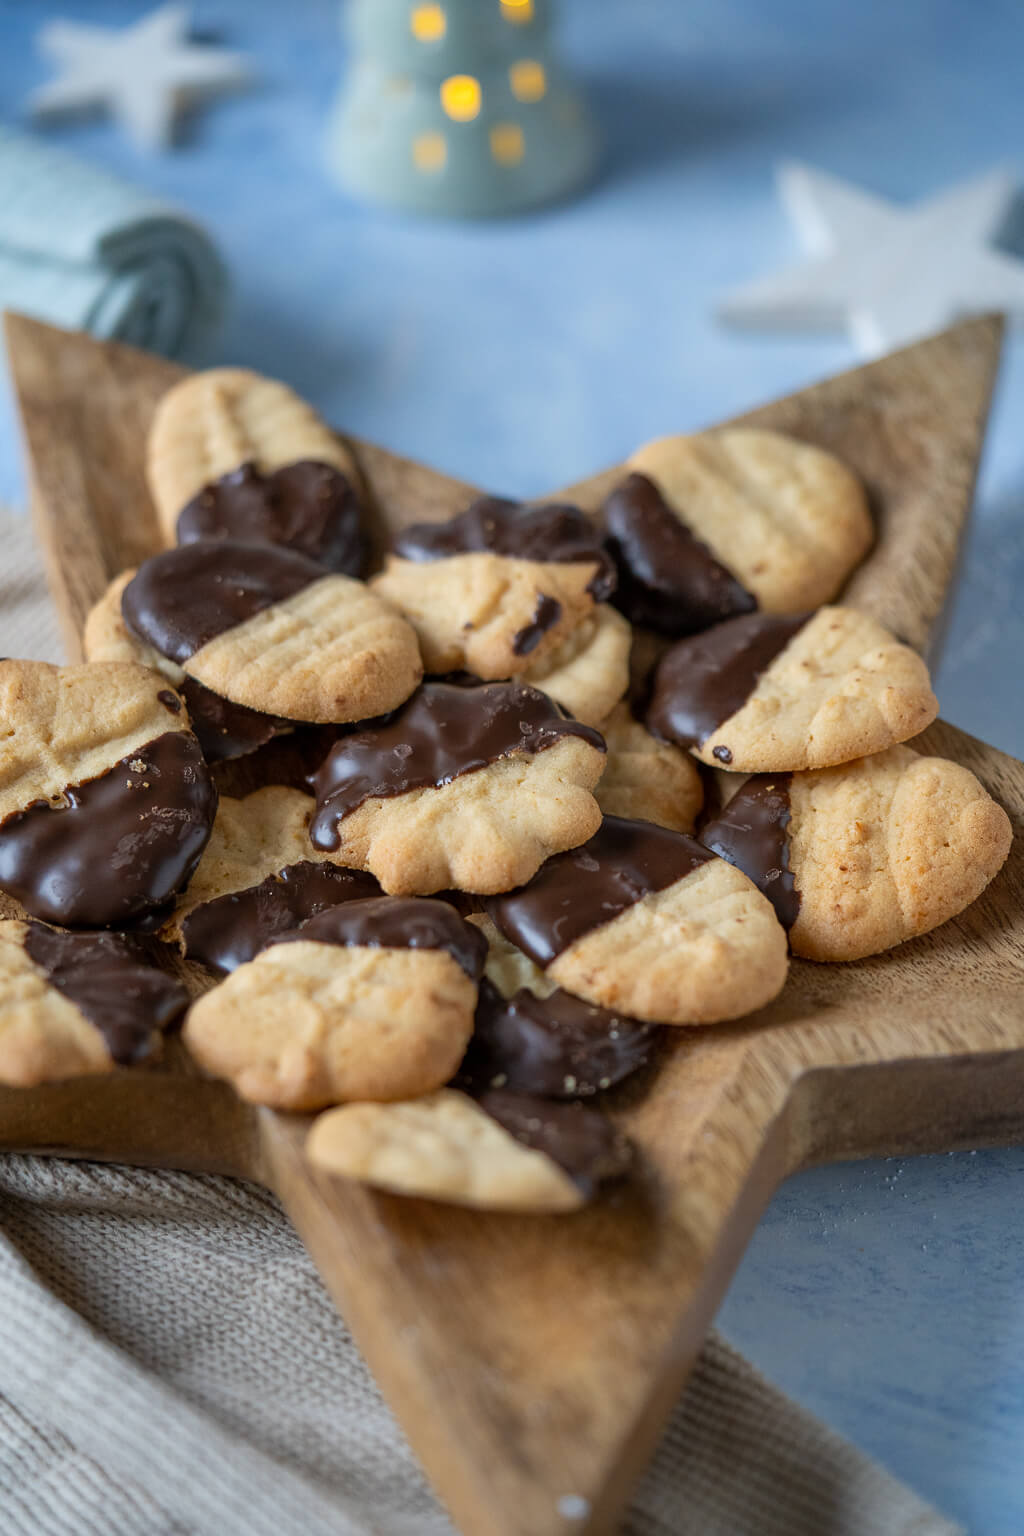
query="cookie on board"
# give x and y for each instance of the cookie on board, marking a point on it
(767, 694)
(589, 672)
(270, 629)
(709, 527)
(646, 779)
(860, 858)
(372, 999)
(503, 1152)
(259, 877)
(467, 788)
(72, 1004)
(646, 921)
(531, 1037)
(225, 731)
(497, 589)
(234, 455)
(106, 802)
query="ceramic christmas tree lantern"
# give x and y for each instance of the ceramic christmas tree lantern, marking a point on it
(458, 107)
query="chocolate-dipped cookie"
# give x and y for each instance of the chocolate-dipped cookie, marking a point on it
(503, 1152)
(706, 528)
(646, 779)
(234, 455)
(269, 629)
(259, 877)
(106, 802)
(773, 694)
(72, 1004)
(500, 587)
(648, 922)
(372, 999)
(466, 787)
(859, 858)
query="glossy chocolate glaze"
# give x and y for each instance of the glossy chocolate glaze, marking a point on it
(557, 1046)
(121, 844)
(306, 506)
(103, 974)
(669, 580)
(575, 892)
(397, 922)
(750, 832)
(445, 730)
(582, 1141)
(702, 682)
(179, 600)
(226, 731)
(555, 532)
(545, 616)
(229, 930)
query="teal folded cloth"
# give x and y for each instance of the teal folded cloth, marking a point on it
(85, 250)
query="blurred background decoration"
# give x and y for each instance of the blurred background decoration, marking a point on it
(458, 107)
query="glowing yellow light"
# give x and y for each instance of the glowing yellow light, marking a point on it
(460, 97)
(507, 144)
(429, 152)
(517, 11)
(528, 80)
(429, 23)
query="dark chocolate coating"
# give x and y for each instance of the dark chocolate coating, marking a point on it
(397, 922)
(581, 1140)
(702, 682)
(444, 730)
(307, 506)
(587, 887)
(555, 532)
(557, 1046)
(545, 616)
(105, 977)
(669, 580)
(750, 832)
(179, 600)
(225, 730)
(229, 930)
(124, 843)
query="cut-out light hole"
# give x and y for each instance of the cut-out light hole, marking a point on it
(429, 152)
(528, 80)
(507, 145)
(460, 97)
(517, 11)
(428, 23)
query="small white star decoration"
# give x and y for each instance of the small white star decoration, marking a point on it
(886, 274)
(142, 75)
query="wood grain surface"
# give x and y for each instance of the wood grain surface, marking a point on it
(533, 1358)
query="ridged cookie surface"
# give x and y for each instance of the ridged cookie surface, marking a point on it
(589, 672)
(646, 779)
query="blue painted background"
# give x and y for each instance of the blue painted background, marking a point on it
(888, 1296)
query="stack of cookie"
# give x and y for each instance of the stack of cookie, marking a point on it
(563, 785)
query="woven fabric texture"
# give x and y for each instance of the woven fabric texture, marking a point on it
(170, 1364)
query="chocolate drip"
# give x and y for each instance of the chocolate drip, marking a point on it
(121, 844)
(105, 977)
(444, 731)
(397, 922)
(545, 616)
(557, 1046)
(702, 682)
(750, 832)
(179, 600)
(306, 506)
(229, 930)
(555, 532)
(587, 887)
(582, 1141)
(226, 730)
(669, 580)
